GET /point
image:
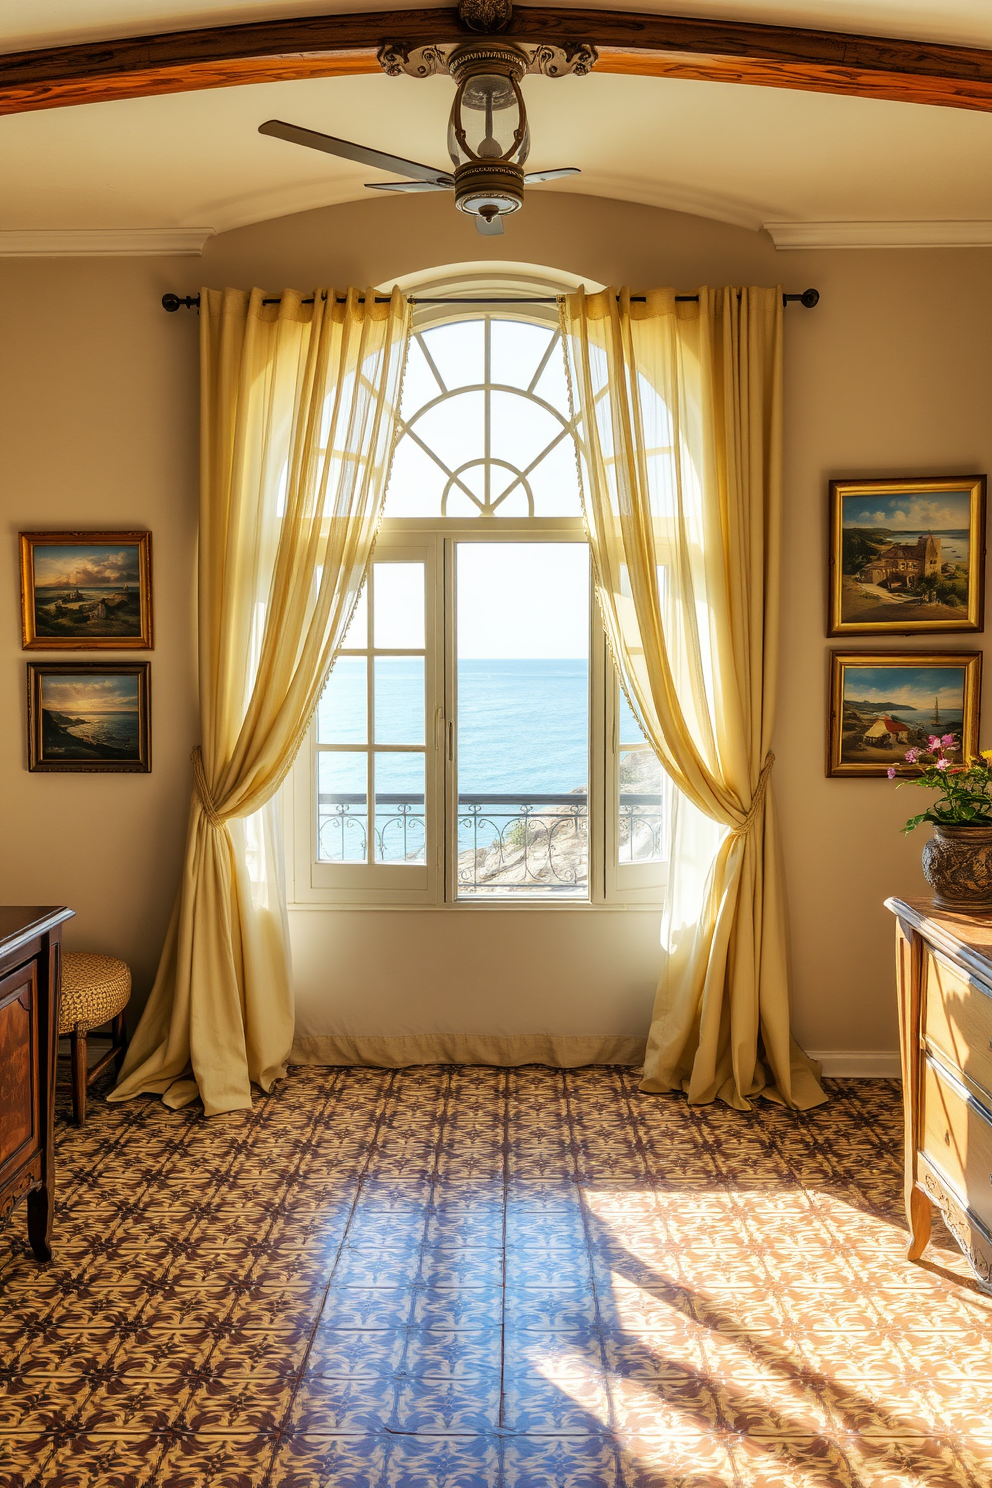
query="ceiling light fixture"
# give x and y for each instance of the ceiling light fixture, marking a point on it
(488, 133)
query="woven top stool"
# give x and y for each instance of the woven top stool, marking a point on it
(95, 990)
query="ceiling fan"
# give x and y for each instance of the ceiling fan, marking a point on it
(488, 133)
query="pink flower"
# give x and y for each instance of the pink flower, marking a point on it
(947, 741)
(943, 764)
(891, 771)
(933, 743)
(912, 755)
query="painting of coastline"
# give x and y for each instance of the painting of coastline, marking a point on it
(86, 590)
(907, 556)
(84, 716)
(883, 703)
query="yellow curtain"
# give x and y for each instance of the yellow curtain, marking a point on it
(679, 415)
(298, 410)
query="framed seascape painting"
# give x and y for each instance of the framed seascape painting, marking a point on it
(86, 591)
(89, 716)
(907, 556)
(885, 702)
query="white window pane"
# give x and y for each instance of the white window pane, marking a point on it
(458, 352)
(342, 713)
(342, 809)
(516, 503)
(460, 504)
(455, 429)
(399, 699)
(516, 351)
(552, 385)
(523, 718)
(419, 382)
(399, 808)
(358, 631)
(630, 730)
(415, 482)
(641, 819)
(399, 606)
(641, 827)
(521, 429)
(555, 483)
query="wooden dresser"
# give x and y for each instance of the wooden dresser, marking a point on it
(944, 974)
(30, 971)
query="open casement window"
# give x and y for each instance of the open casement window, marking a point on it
(472, 746)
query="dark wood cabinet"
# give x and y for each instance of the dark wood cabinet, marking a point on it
(30, 972)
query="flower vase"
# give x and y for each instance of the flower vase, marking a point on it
(957, 864)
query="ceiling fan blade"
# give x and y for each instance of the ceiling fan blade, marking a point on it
(407, 186)
(551, 175)
(489, 228)
(347, 150)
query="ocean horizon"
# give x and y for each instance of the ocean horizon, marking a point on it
(523, 723)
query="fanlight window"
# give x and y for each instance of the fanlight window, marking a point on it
(485, 425)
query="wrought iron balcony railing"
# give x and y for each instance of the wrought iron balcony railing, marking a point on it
(506, 842)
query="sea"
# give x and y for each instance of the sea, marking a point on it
(116, 730)
(46, 594)
(523, 724)
(922, 718)
(953, 542)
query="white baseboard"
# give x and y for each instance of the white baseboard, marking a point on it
(858, 1064)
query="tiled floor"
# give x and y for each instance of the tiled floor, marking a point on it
(478, 1278)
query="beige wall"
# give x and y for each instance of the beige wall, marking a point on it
(889, 375)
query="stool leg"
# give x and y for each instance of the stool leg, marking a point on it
(119, 1032)
(77, 1057)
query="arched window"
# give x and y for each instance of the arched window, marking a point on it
(472, 744)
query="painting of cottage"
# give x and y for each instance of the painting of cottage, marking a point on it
(883, 703)
(86, 591)
(907, 556)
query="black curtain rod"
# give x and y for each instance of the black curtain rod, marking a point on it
(172, 302)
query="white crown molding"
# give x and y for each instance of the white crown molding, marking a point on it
(90, 242)
(858, 1064)
(974, 234)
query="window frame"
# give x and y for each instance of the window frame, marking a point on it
(433, 539)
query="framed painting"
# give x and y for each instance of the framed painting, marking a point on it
(89, 716)
(907, 557)
(885, 702)
(86, 591)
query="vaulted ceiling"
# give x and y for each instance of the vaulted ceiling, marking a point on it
(744, 154)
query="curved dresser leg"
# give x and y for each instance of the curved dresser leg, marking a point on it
(920, 1213)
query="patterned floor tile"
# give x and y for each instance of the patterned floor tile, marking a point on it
(329, 1462)
(443, 1462)
(480, 1278)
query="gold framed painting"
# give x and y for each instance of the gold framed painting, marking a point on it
(86, 591)
(885, 702)
(89, 716)
(907, 557)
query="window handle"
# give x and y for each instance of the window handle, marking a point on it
(451, 740)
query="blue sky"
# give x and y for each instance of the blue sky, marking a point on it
(95, 566)
(908, 687)
(946, 509)
(95, 693)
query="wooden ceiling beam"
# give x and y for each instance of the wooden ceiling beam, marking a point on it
(631, 43)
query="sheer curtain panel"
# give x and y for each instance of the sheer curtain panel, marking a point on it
(298, 409)
(679, 416)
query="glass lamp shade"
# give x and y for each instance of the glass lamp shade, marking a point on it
(488, 121)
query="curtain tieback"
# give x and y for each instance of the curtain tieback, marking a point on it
(203, 791)
(758, 799)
